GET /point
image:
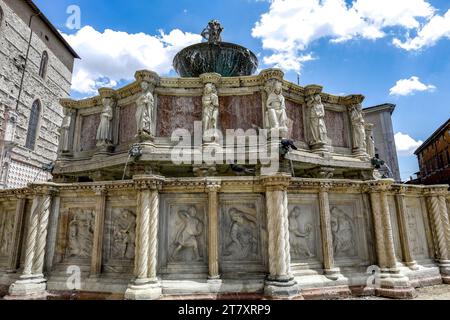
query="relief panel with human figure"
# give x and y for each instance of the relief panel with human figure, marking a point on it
(303, 232)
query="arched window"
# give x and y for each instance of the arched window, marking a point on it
(44, 63)
(33, 125)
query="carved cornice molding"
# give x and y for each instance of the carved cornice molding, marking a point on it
(276, 182)
(353, 99)
(148, 76)
(213, 78)
(313, 90)
(380, 185)
(213, 185)
(146, 182)
(107, 93)
(272, 74)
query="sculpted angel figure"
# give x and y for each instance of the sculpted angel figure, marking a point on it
(317, 124)
(210, 103)
(144, 112)
(276, 107)
(104, 129)
(359, 130)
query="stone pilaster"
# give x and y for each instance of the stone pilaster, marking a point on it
(437, 209)
(392, 282)
(97, 247)
(17, 234)
(327, 238)
(32, 281)
(212, 188)
(146, 285)
(280, 281)
(402, 218)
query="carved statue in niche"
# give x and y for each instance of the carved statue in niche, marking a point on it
(80, 235)
(65, 130)
(359, 127)
(243, 243)
(104, 137)
(317, 126)
(276, 117)
(210, 103)
(300, 234)
(342, 228)
(189, 229)
(123, 235)
(145, 109)
(6, 230)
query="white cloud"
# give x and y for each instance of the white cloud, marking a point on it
(406, 145)
(111, 56)
(290, 26)
(409, 86)
(437, 28)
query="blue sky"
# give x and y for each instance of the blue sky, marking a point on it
(358, 46)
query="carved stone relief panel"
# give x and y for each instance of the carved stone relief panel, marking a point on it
(183, 236)
(119, 232)
(243, 242)
(7, 214)
(349, 230)
(395, 228)
(304, 229)
(418, 233)
(76, 232)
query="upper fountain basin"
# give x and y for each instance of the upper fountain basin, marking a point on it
(226, 59)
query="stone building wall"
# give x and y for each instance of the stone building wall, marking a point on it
(14, 37)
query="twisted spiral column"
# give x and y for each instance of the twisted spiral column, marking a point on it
(378, 225)
(142, 235)
(325, 227)
(153, 234)
(44, 214)
(391, 259)
(445, 220)
(33, 225)
(434, 209)
(404, 232)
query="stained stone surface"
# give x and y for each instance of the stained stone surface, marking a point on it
(337, 130)
(88, 134)
(226, 59)
(177, 112)
(295, 120)
(127, 130)
(240, 112)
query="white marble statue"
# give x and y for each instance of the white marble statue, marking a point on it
(276, 116)
(104, 129)
(210, 103)
(359, 130)
(65, 130)
(145, 109)
(317, 124)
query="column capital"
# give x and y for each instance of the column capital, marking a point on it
(436, 191)
(213, 185)
(325, 186)
(146, 182)
(276, 182)
(43, 189)
(379, 185)
(99, 190)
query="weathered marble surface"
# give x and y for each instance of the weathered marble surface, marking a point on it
(177, 112)
(337, 129)
(295, 120)
(89, 125)
(127, 129)
(240, 112)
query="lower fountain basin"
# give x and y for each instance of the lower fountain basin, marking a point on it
(226, 59)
